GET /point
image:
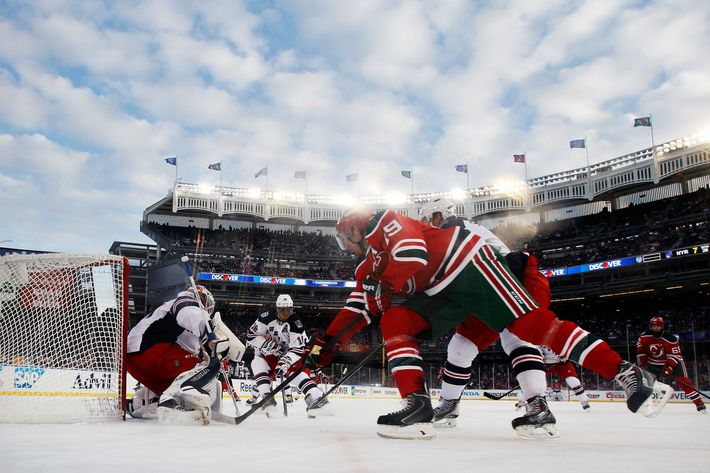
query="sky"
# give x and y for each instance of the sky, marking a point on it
(95, 95)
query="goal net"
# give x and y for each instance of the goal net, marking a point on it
(63, 324)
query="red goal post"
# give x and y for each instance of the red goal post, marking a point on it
(63, 330)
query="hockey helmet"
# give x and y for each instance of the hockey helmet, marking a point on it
(446, 207)
(284, 300)
(351, 219)
(206, 297)
(656, 321)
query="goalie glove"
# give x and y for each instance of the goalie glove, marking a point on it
(226, 344)
(378, 294)
(318, 355)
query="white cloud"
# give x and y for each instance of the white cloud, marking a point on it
(95, 95)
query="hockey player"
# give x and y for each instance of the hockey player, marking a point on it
(175, 354)
(659, 351)
(557, 366)
(279, 340)
(450, 274)
(472, 336)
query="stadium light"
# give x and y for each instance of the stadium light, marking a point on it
(395, 199)
(345, 200)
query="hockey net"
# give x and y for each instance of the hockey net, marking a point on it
(63, 324)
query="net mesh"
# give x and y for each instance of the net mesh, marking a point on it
(62, 332)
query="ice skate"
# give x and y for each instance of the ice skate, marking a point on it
(171, 412)
(413, 421)
(144, 404)
(270, 408)
(643, 392)
(586, 407)
(702, 409)
(538, 423)
(520, 405)
(317, 407)
(446, 413)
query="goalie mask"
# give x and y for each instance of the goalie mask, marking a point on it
(205, 297)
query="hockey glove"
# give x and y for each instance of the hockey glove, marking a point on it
(215, 347)
(318, 356)
(282, 367)
(667, 371)
(378, 295)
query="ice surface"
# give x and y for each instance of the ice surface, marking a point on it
(608, 439)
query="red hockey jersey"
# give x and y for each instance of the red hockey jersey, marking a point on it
(421, 259)
(658, 350)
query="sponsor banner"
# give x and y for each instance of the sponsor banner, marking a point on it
(617, 263)
(245, 278)
(26, 380)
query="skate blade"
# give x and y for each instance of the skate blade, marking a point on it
(421, 431)
(320, 412)
(542, 432)
(657, 400)
(448, 423)
(273, 412)
(178, 417)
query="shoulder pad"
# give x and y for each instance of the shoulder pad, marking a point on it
(266, 317)
(296, 322)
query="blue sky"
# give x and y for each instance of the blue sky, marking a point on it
(95, 94)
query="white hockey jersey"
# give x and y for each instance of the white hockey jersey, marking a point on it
(268, 335)
(179, 320)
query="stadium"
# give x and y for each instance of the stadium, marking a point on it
(620, 242)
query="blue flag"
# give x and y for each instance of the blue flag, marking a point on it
(171, 160)
(462, 168)
(577, 144)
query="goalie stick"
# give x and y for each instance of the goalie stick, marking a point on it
(497, 397)
(349, 375)
(223, 372)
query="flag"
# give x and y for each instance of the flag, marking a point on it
(351, 177)
(577, 144)
(171, 160)
(262, 172)
(642, 121)
(407, 174)
(299, 174)
(215, 167)
(462, 168)
(519, 158)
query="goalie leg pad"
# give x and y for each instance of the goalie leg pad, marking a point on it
(144, 404)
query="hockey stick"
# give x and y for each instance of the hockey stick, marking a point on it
(497, 397)
(269, 396)
(223, 372)
(283, 398)
(683, 383)
(348, 376)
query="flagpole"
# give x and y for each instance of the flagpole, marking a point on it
(589, 170)
(412, 183)
(657, 177)
(267, 177)
(176, 166)
(525, 162)
(305, 180)
(467, 184)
